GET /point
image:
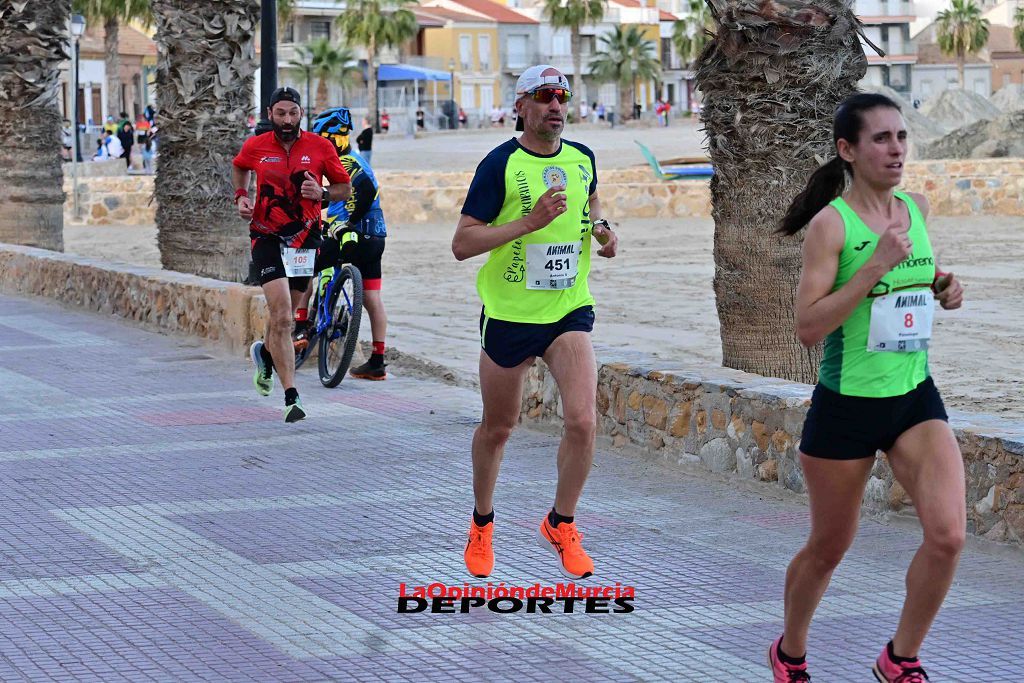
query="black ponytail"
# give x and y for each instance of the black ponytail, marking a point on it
(829, 181)
(824, 185)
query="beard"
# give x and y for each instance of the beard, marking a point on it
(286, 133)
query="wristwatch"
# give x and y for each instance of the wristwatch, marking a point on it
(326, 194)
(603, 222)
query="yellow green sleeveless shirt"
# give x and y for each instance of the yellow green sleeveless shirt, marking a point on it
(506, 187)
(848, 367)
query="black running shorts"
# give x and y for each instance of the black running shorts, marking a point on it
(266, 256)
(842, 427)
(509, 344)
(365, 254)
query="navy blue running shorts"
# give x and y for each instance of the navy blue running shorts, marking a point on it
(509, 344)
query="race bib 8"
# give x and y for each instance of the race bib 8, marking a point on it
(298, 262)
(902, 322)
(552, 266)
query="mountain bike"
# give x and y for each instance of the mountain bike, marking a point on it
(338, 306)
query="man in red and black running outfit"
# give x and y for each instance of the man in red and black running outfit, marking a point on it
(285, 228)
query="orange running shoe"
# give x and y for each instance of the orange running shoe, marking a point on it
(564, 542)
(479, 555)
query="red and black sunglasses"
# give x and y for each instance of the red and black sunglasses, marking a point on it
(545, 95)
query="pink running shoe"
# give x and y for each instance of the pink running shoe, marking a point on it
(888, 670)
(785, 673)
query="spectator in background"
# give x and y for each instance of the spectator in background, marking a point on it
(385, 121)
(126, 136)
(462, 118)
(365, 141)
(66, 140)
(421, 119)
(599, 108)
(584, 111)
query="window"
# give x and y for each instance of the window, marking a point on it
(484, 47)
(560, 44)
(468, 100)
(517, 47)
(288, 35)
(319, 28)
(487, 97)
(587, 44)
(466, 51)
(666, 51)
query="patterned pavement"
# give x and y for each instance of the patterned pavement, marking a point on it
(160, 522)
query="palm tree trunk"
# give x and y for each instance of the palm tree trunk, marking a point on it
(205, 65)
(771, 79)
(321, 95)
(112, 65)
(33, 43)
(961, 59)
(371, 84)
(625, 106)
(577, 68)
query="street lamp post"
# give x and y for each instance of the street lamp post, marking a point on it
(77, 29)
(307, 59)
(451, 91)
(268, 61)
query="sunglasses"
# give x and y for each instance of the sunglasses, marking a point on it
(545, 95)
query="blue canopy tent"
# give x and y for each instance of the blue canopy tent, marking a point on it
(408, 72)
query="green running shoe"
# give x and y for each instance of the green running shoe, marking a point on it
(263, 378)
(294, 412)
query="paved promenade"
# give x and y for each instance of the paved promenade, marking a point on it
(160, 522)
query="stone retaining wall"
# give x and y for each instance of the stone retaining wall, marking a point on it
(725, 420)
(226, 313)
(955, 188)
(749, 426)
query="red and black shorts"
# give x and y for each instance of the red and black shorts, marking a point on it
(266, 257)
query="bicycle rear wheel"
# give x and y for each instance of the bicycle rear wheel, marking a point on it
(339, 339)
(301, 356)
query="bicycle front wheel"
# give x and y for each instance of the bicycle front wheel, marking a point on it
(339, 339)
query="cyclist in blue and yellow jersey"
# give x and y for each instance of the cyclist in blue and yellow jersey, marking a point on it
(355, 234)
(533, 207)
(868, 290)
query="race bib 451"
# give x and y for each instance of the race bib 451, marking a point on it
(552, 266)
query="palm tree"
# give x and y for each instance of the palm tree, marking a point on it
(33, 44)
(962, 31)
(772, 77)
(205, 66)
(572, 14)
(1018, 28)
(321, 60)
(112, 13)
(376, 24)
(691, 34)
(624, 57)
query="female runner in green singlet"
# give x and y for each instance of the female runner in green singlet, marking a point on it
(867, 289)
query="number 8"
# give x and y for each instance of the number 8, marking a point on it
(908, 320)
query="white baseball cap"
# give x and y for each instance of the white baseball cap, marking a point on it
(531, 79)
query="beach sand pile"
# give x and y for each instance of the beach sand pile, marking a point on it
(956, 108)
(1000, 137)
(1010, 98)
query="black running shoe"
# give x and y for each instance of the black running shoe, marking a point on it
(367, 371)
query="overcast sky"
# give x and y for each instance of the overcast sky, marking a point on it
(926, 11)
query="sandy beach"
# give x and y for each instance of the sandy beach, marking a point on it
(656, 297)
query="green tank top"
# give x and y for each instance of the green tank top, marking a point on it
(542, 276)
(848, 367)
